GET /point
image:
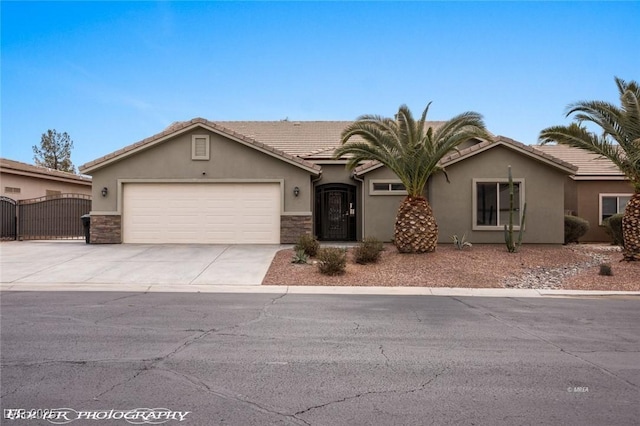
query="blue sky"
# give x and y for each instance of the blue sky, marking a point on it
(113, 73)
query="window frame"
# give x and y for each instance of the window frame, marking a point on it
(388, 182)
(474, 207)
(206, 156)
(617, 195)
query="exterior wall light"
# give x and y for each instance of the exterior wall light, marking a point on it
(105, 191)
(296, 191)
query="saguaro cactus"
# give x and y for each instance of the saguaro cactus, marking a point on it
(512, 244)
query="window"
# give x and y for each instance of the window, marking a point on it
(611, 204)
(491, 203)
(386, 187)
(200, 147)
(11, 190)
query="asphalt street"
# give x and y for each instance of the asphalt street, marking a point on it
(292, 359)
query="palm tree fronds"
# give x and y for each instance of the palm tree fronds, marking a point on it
(620, 138)
(408, 147)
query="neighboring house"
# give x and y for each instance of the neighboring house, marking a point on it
(21, 181)
(596, 191)
(270, 182)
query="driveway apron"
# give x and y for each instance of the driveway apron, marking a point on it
(180, 264)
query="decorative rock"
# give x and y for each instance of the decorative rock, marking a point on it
(552, 278)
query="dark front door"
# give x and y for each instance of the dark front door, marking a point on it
(336, 212)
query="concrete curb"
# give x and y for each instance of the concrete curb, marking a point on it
(386, 291)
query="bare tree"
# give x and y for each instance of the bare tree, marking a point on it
(54, 151)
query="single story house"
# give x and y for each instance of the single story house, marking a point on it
(269, 182)
(21, 181)
(597, 190)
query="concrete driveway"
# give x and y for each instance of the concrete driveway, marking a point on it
(74, 262)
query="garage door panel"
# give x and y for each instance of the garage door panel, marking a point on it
(256, 204)
(256, 220)
(224, 209)
(201, 213)
(223, 237)
(214, 220)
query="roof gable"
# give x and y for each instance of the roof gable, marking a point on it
(513, 145)
(482, 146)
(185, 126)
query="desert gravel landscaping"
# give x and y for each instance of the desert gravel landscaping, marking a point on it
(573, 267)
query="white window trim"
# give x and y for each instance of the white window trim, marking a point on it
(388, 192)
(474, 213)
(605, 194)
(194, 138)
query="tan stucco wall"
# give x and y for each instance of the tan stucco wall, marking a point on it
(380, 210)
(570, 195)
(31, 187)
(544, 194)
(229, 160)
(588, 203)
(335, 173)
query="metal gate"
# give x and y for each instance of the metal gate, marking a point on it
(52, 217)
(8, 220)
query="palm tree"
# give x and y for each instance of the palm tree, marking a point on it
(412, 150)
(619, 142)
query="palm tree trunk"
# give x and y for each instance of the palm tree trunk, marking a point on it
(416, 230)
(631, 229)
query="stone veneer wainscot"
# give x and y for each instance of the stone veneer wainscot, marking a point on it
(106, 229)
(292, 227)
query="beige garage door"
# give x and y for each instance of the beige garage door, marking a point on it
(225, 213)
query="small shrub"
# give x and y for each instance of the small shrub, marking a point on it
(574, 228)
(461, 243)
(605, 269)
(300, 257)
(308, 244)
(368, 251)
(613, 227)
(332, 260)
(607, 230)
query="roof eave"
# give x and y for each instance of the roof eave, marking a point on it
(367, 167)
(43, 175)
(600, 177)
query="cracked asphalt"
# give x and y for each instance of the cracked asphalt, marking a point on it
(291, 359)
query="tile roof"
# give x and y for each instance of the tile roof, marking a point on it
(300, 138)
(306, 139)
(302, 142)
(9, 166)
(185, 125)
(588, 164)
(298, 141)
